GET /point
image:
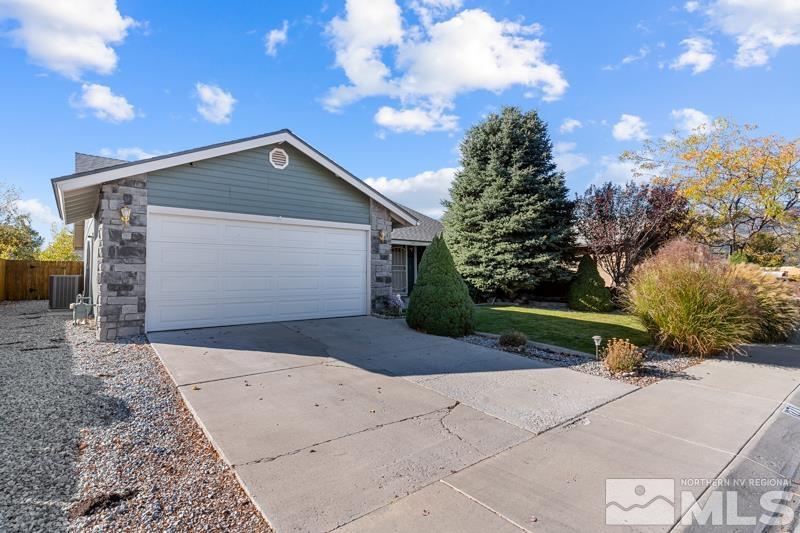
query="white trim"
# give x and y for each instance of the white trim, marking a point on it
(369, 272)
(285, 158)
(163, 210)
(147, 166)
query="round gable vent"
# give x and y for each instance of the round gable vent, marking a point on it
(278, 158)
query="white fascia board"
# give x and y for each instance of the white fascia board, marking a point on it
(145, 167)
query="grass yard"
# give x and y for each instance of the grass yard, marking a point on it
(570, 329)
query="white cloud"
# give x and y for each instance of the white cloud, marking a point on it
(699, 55)
(430, 68)
(429, 10)
(566, 158)
(417, 120)
(569, 125)
(630, 128)
(103, 104)
(42, 216)
(68, 36)
(616, 171)
(132, 153)
(276, 38)
(689, 119)
(691, 6)
(216, 105)
(423, 192)
(760, 27)
(643, 52)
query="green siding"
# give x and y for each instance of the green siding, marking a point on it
(245, 182)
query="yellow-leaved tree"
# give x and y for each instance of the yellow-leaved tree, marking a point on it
(739, 185)
(60, 247)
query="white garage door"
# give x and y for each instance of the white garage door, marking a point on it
(214, 269)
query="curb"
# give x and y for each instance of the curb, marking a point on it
(544, 346)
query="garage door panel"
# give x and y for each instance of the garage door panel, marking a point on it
(345, 241)
(179, 229)
(299, 237)
(249, 234)
(207, 271)
(342, 283)
(171, 257)
(172, 286)
(234, 284)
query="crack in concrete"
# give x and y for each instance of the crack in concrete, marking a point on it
(444, 426)
(447, 410)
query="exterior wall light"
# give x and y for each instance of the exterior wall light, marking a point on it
(381, 236)
(125, 215)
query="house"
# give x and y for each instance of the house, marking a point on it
(408, 244)
(260, 229)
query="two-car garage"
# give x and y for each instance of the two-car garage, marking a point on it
(214, 269)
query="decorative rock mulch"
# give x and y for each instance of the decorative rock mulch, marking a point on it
(657, 365)
(98, 437)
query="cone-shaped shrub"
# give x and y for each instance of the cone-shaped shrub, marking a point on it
(440, 302)
(588, 291)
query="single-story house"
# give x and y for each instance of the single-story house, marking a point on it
(260, 229)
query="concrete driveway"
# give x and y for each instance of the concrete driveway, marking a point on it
(330, 421)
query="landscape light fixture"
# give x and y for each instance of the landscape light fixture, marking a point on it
(597, 340)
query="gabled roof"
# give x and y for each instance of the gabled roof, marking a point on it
(424, 232)
(76, 194)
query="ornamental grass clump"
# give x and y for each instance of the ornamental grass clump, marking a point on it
(620, 355)
(440, 302)
(691, 302)
(778, 310)
(513, 339)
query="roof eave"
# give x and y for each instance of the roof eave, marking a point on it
(96, 177)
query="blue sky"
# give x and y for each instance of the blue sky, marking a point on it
(384, 87)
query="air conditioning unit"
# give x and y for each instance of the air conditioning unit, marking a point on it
(64, 290)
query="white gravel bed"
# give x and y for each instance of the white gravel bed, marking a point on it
(95, 436)
(657, 365)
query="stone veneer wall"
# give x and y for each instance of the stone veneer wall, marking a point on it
(121, 259)
(381, 260)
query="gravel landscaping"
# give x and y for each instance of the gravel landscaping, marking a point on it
(657, 365)
(95, 436)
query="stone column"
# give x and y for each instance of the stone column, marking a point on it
(381, 259)
(121, 260)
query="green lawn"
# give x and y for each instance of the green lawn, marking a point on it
(570, 329)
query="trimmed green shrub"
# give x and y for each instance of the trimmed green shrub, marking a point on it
(779, 313)
(588, 291)
(440, 302)
(691, 302)
(512, 339)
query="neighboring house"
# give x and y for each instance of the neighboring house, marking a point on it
(408, 244)
(259, 229)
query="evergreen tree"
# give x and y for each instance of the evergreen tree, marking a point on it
(588, 291)
(508, 221)
(440, 302)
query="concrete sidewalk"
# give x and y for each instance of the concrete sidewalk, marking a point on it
(724, 422)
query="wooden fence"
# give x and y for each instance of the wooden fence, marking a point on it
(30, 280)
